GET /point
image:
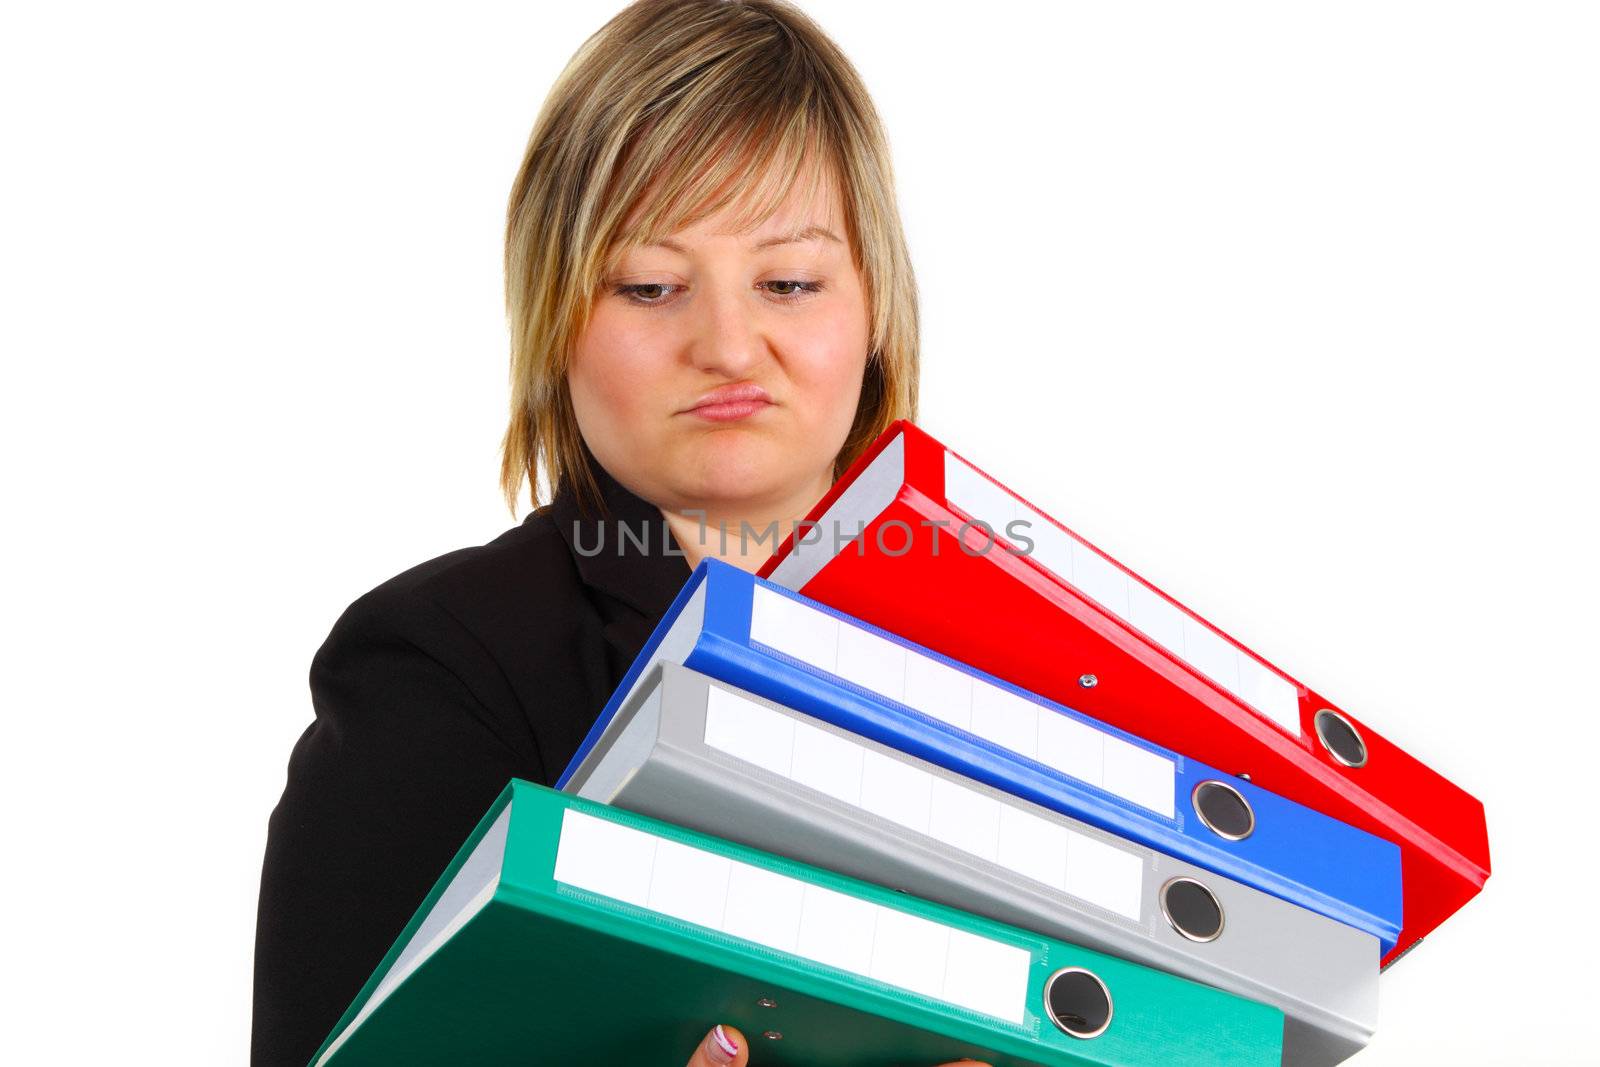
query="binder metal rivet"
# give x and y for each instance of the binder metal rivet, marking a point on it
(1223, 810)
(1088, 681)
(1078, 1002)
(766, 1002)
(1192, 909)
(1340, 737)
(773, 1035)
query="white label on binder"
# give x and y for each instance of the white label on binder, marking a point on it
(872, 662)
(1104, 875)
(837, 929)
(965, 819)
(763, 907)
(1103, 580)
(766, 741)
(689, 884)
(607, 858)
(827, 763)
(1159, 618)
(1211, 652)
(985, 975)
(896, 791)
(792, 627)
(1127, 598)
(1075, 748)
(965, 701)
(989, 502)
(1139, 774)
(1052, 547)
(939, 690)
(1033, 847)
(794, 916)
(911, 952)
(1006, 719)
(953, 812)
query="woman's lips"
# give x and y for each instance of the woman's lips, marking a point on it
(730, 403)
(729, 412)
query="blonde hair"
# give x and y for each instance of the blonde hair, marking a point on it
(686, 99)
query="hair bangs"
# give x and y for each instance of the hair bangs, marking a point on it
(750, 169)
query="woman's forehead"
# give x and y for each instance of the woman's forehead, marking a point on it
(754, 204)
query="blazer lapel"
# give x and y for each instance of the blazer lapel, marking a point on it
(627, 552)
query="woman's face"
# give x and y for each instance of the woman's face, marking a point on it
(722, 370)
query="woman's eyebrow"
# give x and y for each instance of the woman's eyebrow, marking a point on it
(807, 233)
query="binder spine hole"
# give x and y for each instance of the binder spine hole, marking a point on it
(1223, 810)
(1078, 1002)
(1192, 909)
(1340, 737)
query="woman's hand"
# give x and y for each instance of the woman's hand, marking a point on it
(726, 1047)
(723, 1047)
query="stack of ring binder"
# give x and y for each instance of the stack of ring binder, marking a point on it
(1074, 625)
(961, 786)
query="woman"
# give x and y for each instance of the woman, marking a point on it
(712, 313)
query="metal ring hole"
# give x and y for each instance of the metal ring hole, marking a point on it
(1224, 810)
(1078, 1002)
(1340, 737)
(1192, 909)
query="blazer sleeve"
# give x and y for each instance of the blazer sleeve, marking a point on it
(411, 744)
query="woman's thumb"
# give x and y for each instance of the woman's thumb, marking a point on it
(723, 1047)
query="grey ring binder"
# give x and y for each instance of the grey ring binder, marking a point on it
(712, 757)
(1192, 909)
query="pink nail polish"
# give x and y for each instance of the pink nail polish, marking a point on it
(725, 1044)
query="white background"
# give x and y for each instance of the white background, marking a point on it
(1291, 308)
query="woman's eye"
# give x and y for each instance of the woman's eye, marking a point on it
(792, 288)
(656, 294)
(646, 293)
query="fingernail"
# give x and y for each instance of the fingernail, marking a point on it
(720, 1047)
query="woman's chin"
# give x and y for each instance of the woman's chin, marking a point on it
(741, 466)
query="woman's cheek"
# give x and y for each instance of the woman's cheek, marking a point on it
(627, 369)
(835, 357)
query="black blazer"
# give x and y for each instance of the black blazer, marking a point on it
(430, 692)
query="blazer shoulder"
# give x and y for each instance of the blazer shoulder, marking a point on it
(455, 623)
(505, 584)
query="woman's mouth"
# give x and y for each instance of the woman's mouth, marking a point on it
(731, 402)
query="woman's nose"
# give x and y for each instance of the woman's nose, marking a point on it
(728, 337)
